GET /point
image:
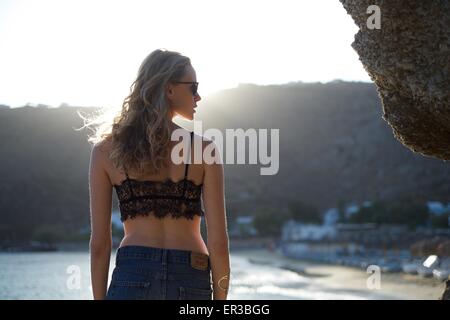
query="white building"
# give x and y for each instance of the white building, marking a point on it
(243, 226)
(295, 231)
(438, 208)
(331, 217)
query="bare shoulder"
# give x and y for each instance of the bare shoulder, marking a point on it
(100, 158)
(104, 145)
(101, 150)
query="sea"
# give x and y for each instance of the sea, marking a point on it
(66, 276)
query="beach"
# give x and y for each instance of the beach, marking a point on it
(341, 282)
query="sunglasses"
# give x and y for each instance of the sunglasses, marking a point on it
(194, 86)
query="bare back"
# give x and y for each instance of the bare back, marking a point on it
(167, 232)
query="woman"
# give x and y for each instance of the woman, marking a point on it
(162, 254)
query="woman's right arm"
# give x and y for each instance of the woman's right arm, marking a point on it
(100, 191)
(217, 236)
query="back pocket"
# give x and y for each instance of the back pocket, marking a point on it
(195, 294)
(128, 290)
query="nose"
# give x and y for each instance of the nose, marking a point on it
(197, 97)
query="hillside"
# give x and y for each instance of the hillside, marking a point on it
(334, 146)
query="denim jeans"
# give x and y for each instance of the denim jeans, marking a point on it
(147, 273)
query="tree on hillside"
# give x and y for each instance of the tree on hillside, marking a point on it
(303, 212)
(268, 221)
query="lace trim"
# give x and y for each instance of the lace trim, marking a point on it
(161, 208)
(180, 199)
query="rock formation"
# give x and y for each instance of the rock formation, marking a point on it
(408, 58)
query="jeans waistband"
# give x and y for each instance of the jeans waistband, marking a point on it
(161, 254)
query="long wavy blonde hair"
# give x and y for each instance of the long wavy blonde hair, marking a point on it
(140, 134)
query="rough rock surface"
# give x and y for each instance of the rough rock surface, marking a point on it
(408, 58)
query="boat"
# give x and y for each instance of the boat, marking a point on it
(426, 268)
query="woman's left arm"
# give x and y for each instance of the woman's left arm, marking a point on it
(100, 193)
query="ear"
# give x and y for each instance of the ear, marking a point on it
(170, 91)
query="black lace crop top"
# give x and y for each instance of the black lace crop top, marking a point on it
(179, 199)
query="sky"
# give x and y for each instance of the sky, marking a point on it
(87, 52)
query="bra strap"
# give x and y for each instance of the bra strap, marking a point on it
(129, 183)
(189, 158)
(187, 166)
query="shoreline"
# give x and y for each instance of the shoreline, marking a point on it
(393, 286)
